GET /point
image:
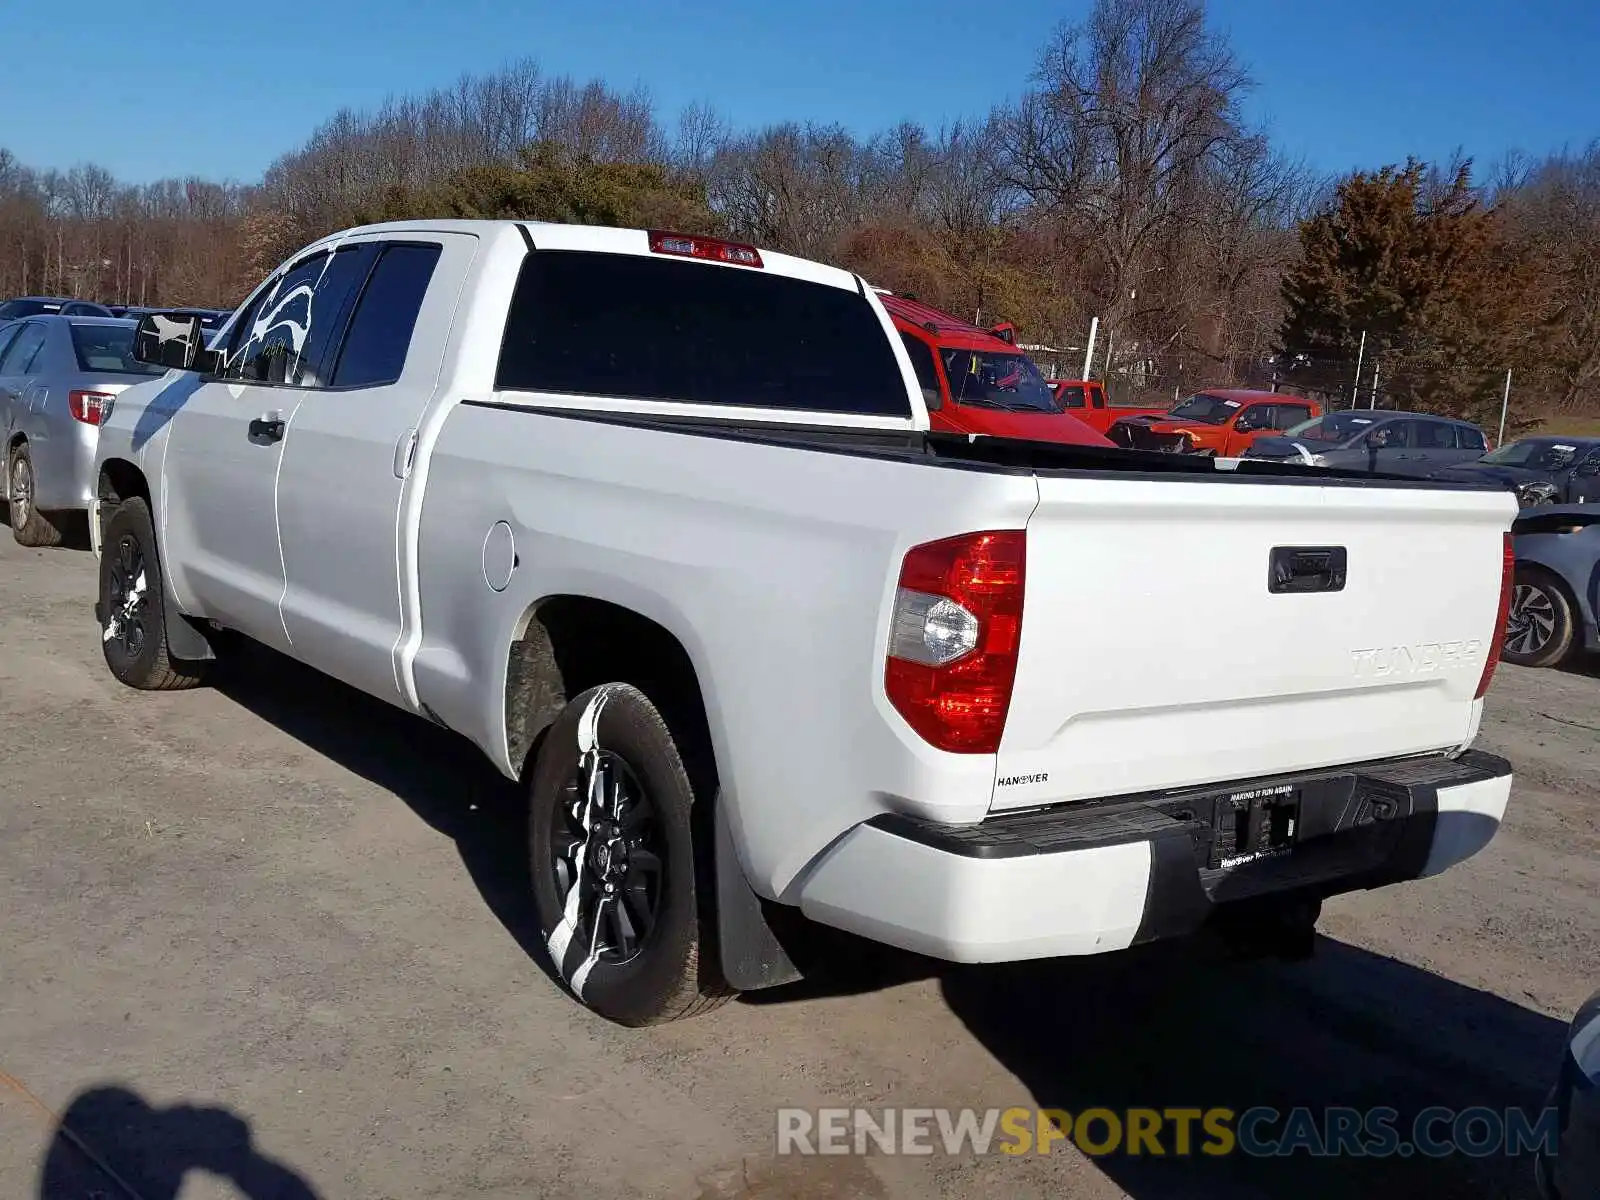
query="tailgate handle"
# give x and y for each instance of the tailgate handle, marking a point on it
(1306, 569)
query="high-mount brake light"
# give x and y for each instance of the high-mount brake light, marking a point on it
(1508, 571)
(92, 408)
(711, 249)
(954, 638)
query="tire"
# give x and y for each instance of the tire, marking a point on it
(28, 525)
(133, 629)
(1541, 630)
(641, 846)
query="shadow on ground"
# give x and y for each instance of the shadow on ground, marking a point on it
(111, 1143)
(1165, 1027)
(74, 528)
(443, 778)
(1583, 664)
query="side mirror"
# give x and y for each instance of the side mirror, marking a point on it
(1375, 440)
(932, 397)
(173, 340)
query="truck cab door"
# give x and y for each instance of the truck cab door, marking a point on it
(345, 484)
(225, 451)
(1237, 437)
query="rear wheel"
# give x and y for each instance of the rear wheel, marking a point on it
(1540, 629)
(616, 879)
(28, 525)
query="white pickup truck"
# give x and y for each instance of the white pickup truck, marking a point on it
(658, 523)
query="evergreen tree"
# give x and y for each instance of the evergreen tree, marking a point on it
(1416, 260)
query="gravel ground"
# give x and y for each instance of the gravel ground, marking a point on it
(271, 939)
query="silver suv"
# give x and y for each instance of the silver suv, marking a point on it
(1384, 442)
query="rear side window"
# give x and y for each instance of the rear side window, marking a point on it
(1470, 439)
(7, 333)
(386, 315)
(19, 358)
(1435, 435)
(1290, 415)
(927, 375)
(658, 329)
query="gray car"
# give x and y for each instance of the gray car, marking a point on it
(1377, 440)
(1554, 595)
(58, 379)
(1573, 1171)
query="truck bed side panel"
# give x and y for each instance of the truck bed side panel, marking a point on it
(772, 565)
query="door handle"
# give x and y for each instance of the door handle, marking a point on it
(405, 451)
(264, 431)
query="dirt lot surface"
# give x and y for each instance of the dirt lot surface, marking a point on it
(275, 934)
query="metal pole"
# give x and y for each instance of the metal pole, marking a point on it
(1373, 401)
(1355, 388)
(1505, 403)
(1107, 376)
(1088, 354)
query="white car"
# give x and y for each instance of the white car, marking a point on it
(657, 522)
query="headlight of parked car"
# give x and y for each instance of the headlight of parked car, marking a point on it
(1316, 460)
(1531, 495)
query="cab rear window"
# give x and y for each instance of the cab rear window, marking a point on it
(592, 324)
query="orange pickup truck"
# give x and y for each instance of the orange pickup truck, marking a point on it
(1222, 421)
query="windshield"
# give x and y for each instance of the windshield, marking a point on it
(15, 310)
(109, 348)
(1535, 453)
(1336, 427)
(1208, 410)
(987, 380)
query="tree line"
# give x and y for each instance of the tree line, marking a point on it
(1124, 184)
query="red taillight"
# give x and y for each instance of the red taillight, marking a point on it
(1508, 570)
(92, 408)
(953, 645)
(707, 248)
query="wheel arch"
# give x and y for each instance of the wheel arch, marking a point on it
(564, 644)
(121, 480)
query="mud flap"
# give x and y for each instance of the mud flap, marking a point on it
(751, 955)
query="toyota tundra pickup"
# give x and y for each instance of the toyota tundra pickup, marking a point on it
(659, 524)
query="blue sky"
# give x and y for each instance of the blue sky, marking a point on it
(1357, 83)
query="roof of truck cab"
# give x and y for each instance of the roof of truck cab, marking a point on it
(948, 330)
(605, 239)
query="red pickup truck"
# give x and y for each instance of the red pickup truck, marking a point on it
(975, 380)
(1086, 400)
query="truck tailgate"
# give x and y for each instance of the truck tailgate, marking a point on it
(1155, 654)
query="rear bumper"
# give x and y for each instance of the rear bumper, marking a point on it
(1089, 877)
